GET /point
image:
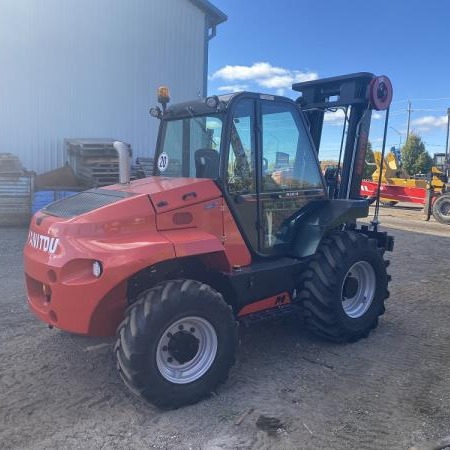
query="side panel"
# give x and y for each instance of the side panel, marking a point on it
(206, 216)
(205, 227)
(192, 242)
(264, 280)
(235, 247)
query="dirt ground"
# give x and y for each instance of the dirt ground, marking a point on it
(389, 391)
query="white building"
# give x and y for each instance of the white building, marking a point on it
(90, 68)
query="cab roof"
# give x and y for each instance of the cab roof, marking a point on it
(199, 106)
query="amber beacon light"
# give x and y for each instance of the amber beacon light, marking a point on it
(163, 96)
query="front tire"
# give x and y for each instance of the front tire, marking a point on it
(343, 289)
(441, 209)
(177, 343)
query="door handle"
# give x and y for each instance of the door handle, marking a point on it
(189, 194)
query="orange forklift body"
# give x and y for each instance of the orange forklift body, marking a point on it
(160, 219)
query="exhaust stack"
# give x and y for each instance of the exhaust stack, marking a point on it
(124, 162)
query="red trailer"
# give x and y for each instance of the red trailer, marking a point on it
(435, 202)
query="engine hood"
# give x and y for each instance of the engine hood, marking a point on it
(95, 213)
(121, 209)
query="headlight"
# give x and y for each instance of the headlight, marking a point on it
(97, 269)
(212, 102)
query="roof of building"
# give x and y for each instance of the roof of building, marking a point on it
(214, 14)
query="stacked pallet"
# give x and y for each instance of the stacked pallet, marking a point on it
(16, 189)
(142, 169)
(94, 161)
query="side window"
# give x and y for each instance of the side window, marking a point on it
(241, 155)
(288, 159)
(289, 166)
(169, 162)
(191, 148)
(205, 133)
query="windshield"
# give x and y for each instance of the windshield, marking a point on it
(189, 147)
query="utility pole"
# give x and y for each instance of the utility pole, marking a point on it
(409, 118)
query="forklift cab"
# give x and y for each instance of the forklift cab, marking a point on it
(262, 152)
(257, 149)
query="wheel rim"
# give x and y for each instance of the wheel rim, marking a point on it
(186, 350)
(358, 289)
(444, 207)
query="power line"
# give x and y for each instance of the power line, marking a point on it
(421, 100)
(398, 111)
(429, 99)
(424, 109)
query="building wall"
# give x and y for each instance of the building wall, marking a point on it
(90, 68)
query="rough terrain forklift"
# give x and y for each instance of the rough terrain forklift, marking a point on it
(236, 225)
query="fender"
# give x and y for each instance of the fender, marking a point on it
(306, 228)
(81, 303)
(172, 245)
(121, 260)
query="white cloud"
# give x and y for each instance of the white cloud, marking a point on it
(428, 122)
(257, 70)
(233, 88)
(264, 74)
(376, 116)
(334, 117)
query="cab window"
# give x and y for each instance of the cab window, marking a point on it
(289, 162)
(190, 148)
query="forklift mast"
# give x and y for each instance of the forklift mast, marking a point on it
(361, 93)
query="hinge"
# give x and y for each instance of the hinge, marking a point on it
(223, 239)
(222, 207)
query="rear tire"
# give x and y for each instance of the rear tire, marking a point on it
(177, 343)
(342, 292)
(441, 209)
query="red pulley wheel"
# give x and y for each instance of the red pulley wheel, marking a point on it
(380, 93)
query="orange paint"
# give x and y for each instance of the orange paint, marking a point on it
(267, 303)
(125, 237)
(235, 247)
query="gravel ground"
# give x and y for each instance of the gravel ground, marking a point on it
(389, 391)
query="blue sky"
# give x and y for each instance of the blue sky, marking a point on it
(265, 45)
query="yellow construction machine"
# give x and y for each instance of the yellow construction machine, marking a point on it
(393, 174)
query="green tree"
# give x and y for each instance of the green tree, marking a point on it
(415, 157)
(369, 169)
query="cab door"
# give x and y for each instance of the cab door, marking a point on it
(289, 174)
(240, 170)
(271, 170)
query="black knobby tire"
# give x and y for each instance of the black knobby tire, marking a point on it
(323, 286)
(142, 333)
(441, 209)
